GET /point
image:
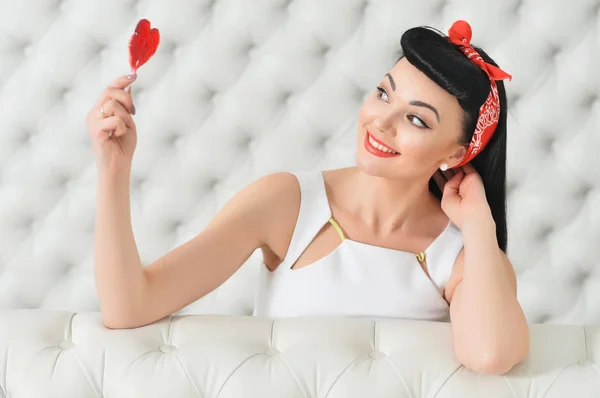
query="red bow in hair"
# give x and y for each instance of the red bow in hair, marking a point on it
(489, 113)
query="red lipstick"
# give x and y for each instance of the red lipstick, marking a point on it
(376, 151)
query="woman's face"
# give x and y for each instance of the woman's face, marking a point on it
(414, 117)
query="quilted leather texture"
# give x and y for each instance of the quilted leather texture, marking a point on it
(59, 354)
(240, 89)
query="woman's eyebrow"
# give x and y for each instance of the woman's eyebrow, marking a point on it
(415, 103)
(426, 105)
(391, 81)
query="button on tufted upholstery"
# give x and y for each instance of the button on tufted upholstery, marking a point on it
(272, 352)
(27, 49)
(66, 345)
(167, 348)
(376, 355)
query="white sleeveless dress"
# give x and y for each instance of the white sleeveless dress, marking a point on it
(356, 279)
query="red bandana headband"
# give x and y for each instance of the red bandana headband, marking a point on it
(489, 113)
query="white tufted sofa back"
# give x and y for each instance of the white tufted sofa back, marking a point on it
(240, 89)
(58, 354)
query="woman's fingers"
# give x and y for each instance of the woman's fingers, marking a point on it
(115, 108)
(121, 96)
(453, 183)
(112, 126)
(116, 91)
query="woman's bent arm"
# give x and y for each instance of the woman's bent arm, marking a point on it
(133, 296)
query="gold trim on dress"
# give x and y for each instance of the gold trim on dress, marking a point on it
(337, 227)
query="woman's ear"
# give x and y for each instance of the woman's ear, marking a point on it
(457, 157)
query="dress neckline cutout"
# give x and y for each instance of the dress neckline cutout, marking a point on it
(356, 242)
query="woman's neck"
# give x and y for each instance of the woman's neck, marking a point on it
(384, 205)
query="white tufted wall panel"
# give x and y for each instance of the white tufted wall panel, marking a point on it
(240, 89)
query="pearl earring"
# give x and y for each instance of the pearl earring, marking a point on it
(444, 167)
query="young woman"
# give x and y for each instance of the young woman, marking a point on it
(417, 229)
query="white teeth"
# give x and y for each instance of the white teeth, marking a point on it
(380, 147)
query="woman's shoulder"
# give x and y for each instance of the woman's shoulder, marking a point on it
(277, 184)
(280, 196)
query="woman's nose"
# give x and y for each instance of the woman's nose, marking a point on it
(386, 124)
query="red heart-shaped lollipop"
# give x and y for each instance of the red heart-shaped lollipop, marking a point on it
(142, 45)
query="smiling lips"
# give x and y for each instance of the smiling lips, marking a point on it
(378, 148)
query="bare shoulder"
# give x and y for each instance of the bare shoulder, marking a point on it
(281, 210)
(277, 186)
(285, 208)
(270, 204)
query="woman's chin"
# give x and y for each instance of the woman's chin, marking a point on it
(371, 165)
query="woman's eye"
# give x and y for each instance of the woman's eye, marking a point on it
(417, 121)
(420, 121)
(381, 91)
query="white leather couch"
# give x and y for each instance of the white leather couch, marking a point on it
(46, 354)
(239, 89)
